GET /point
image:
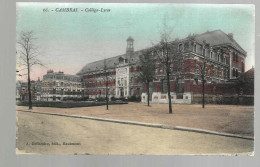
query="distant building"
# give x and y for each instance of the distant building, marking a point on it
(56, 86)
(224, 56)
(22, 90)
(122, 75)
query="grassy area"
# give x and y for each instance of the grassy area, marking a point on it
(223, 118)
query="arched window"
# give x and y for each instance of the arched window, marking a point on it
(211, 54)
(180, 47)
(236, 73)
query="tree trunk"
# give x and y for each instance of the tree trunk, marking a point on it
(148, 94)
(169, 93)
(106, 92)
(203, 92)
(29, 87)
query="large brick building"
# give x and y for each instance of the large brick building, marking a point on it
(224, 57)
(57, 86)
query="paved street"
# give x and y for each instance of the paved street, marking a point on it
(46, 134)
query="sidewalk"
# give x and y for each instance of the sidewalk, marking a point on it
(224, 119)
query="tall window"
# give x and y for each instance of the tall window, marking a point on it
(195, 48)
(242, 66)
(180, 65)
(196, 67)
(180, 47)
(212, 70)
(164, 86)
(204, 52)
(179, 85)
(234, 72)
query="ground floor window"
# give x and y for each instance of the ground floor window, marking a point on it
(138, 92)
(179, 85)
(164, 86)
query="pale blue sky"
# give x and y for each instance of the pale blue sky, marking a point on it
(68, 41)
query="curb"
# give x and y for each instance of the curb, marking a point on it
(163, 126)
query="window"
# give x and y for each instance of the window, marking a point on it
(138, 91)
(242, 67)
(218, 57)
(180, 65)
(180, 47)
(212, 70)
(211, 53)
(179, 85)
(164, 86)
(219, 72)
(234, 72)
(195, 48)
(204, 52)
(196, 67)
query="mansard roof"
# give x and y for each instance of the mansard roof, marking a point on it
(214, 38)
(218, 38)
(110, 62)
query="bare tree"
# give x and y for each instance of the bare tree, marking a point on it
(166, 52)
(105, 77)
(106, 80)
(201, 69)
(146, 70)
(28, 56)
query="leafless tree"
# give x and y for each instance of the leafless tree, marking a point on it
(146, 74)
(106, 80)
(105, 77)
(168, 52)
(28, 56)
(202, 71)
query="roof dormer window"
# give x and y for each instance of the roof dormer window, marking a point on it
(194, 48)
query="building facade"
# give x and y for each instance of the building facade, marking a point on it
(122, 72)
(57, 86)
(22, 90)
(224, 60)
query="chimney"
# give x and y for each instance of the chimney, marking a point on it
(231, 35)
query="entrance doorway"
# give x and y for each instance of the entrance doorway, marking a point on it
(121, 92)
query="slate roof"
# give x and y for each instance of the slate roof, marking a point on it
(110, 62)
(218, 37)
(214, 38)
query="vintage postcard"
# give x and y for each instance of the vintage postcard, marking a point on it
(134, 79)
